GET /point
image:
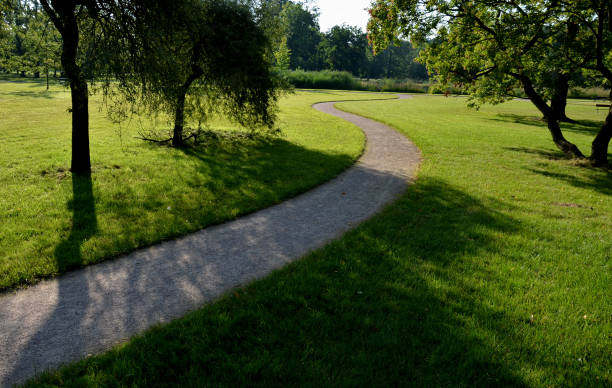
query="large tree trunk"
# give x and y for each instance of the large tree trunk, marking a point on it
(599, 147)
(80, 99)
(560, 141)
(558, 102)
(63, 15)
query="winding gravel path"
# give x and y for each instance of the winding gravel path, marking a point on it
(90, 310)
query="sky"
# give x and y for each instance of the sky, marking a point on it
(335, 12)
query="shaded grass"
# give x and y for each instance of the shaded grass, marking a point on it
(485, 273)
(140, 193)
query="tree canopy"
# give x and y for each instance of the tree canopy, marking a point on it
(201, 57)
(184, 57)
(492, 47)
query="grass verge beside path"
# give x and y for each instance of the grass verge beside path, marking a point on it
(139, 193)
(492, 270)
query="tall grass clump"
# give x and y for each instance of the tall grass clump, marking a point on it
(325, 79)
(394, 85)
(593, 93)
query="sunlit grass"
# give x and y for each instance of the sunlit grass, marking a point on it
(492, 270)
(142, 193)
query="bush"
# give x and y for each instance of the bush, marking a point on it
(343, 80)
(393, 85)
(322, 80)
(589, 93)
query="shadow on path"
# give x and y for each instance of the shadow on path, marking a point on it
(391, 303)
(57, 326)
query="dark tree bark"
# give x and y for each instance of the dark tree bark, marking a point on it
(179, 114)
(554, 128)
(558, 101)
(179, 121)
(63, 15)
(599, 147)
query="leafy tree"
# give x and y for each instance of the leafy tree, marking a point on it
(214, 60)
(5, 36)
(41, 44)
(345, 49)
(67, 16)
(488, 47)
(396, 61)
(303, 36)
(282, 55)
(591, 50)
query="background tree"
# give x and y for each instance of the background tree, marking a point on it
(591, 50)
(303, 35)
(5, 35)
(213, 61)
(345, 49)
(489, 47)
(41, 44)
(396, 61)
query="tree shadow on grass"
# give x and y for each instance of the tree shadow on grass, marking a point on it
(67, 255)
(546, 154)
(84, 223)
(34, 94)
(592, 178)
(396, 302)
(590, 127)
(598, 179)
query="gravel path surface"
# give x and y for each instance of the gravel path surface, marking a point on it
(90, 310)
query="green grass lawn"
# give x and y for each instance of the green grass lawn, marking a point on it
(140, 193)
(493, 269)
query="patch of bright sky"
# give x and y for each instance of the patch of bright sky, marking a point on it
(337, 12)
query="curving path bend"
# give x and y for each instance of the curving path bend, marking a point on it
(90, 310)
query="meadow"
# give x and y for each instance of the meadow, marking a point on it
(493, 269)
(141, 193)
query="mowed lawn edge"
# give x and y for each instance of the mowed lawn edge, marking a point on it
(470, 279)
(140, 194)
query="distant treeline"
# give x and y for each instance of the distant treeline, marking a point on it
(301, 46)
(343, 80)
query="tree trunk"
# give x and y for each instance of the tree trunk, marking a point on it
(599, 147)
(561, 142)
(565, 146)
(63, 14)
(179, 113)
(558, 102)
(81, 163)
(179, 120)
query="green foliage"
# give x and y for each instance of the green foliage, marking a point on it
(397, 61)
(325, 79)
(29, 43)
(590, 93)
(204, 57)
(339, 80)
(303, 36)
(489, 49)
(282, 55)
(345, 49)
